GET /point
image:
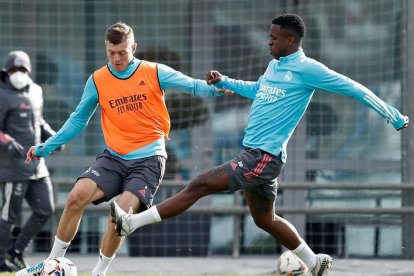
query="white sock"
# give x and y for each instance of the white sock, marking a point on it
(149, 216)
(306, 254)
(59, 249)
(102, 265)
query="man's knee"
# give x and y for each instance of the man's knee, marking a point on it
(263, 222)
(84, 192)
(77, 199)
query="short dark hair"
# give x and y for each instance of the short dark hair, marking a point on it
(118, 33)
(292, 22)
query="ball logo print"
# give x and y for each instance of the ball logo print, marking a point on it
(59, 267)
(290, 265)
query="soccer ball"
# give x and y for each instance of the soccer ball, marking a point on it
(290, 265)
(59, 267)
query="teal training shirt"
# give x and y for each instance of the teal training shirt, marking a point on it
(78, 120)
(282, 94)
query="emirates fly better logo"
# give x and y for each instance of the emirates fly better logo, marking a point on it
(128, 103)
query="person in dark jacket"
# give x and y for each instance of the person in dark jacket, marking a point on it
(21, 125)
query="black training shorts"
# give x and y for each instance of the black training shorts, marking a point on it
(115, 175)
(255, 170)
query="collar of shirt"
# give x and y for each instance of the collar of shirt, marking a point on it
(293, 56)
(127, 72)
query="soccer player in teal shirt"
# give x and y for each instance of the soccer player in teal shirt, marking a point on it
(280, 98)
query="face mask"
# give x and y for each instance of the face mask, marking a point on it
(20, 80)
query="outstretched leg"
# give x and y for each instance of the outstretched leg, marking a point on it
(210, 182)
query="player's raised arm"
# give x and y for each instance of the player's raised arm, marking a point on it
(175, 80)
(228, 85)
(321, 77)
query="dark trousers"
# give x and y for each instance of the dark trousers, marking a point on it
(39, 196)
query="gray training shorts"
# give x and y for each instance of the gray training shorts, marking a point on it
(255, 170)
(115, 175)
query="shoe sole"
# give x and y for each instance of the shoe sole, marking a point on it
(118, 223)
(113, 216)
(325, 267)
(119, 228)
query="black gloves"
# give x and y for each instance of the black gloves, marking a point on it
(15, 150)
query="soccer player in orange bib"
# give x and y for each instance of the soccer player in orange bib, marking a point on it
(135, 124)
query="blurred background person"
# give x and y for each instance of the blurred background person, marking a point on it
(21, 125)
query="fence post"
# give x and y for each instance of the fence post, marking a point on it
(237, 225)
(408, 134)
